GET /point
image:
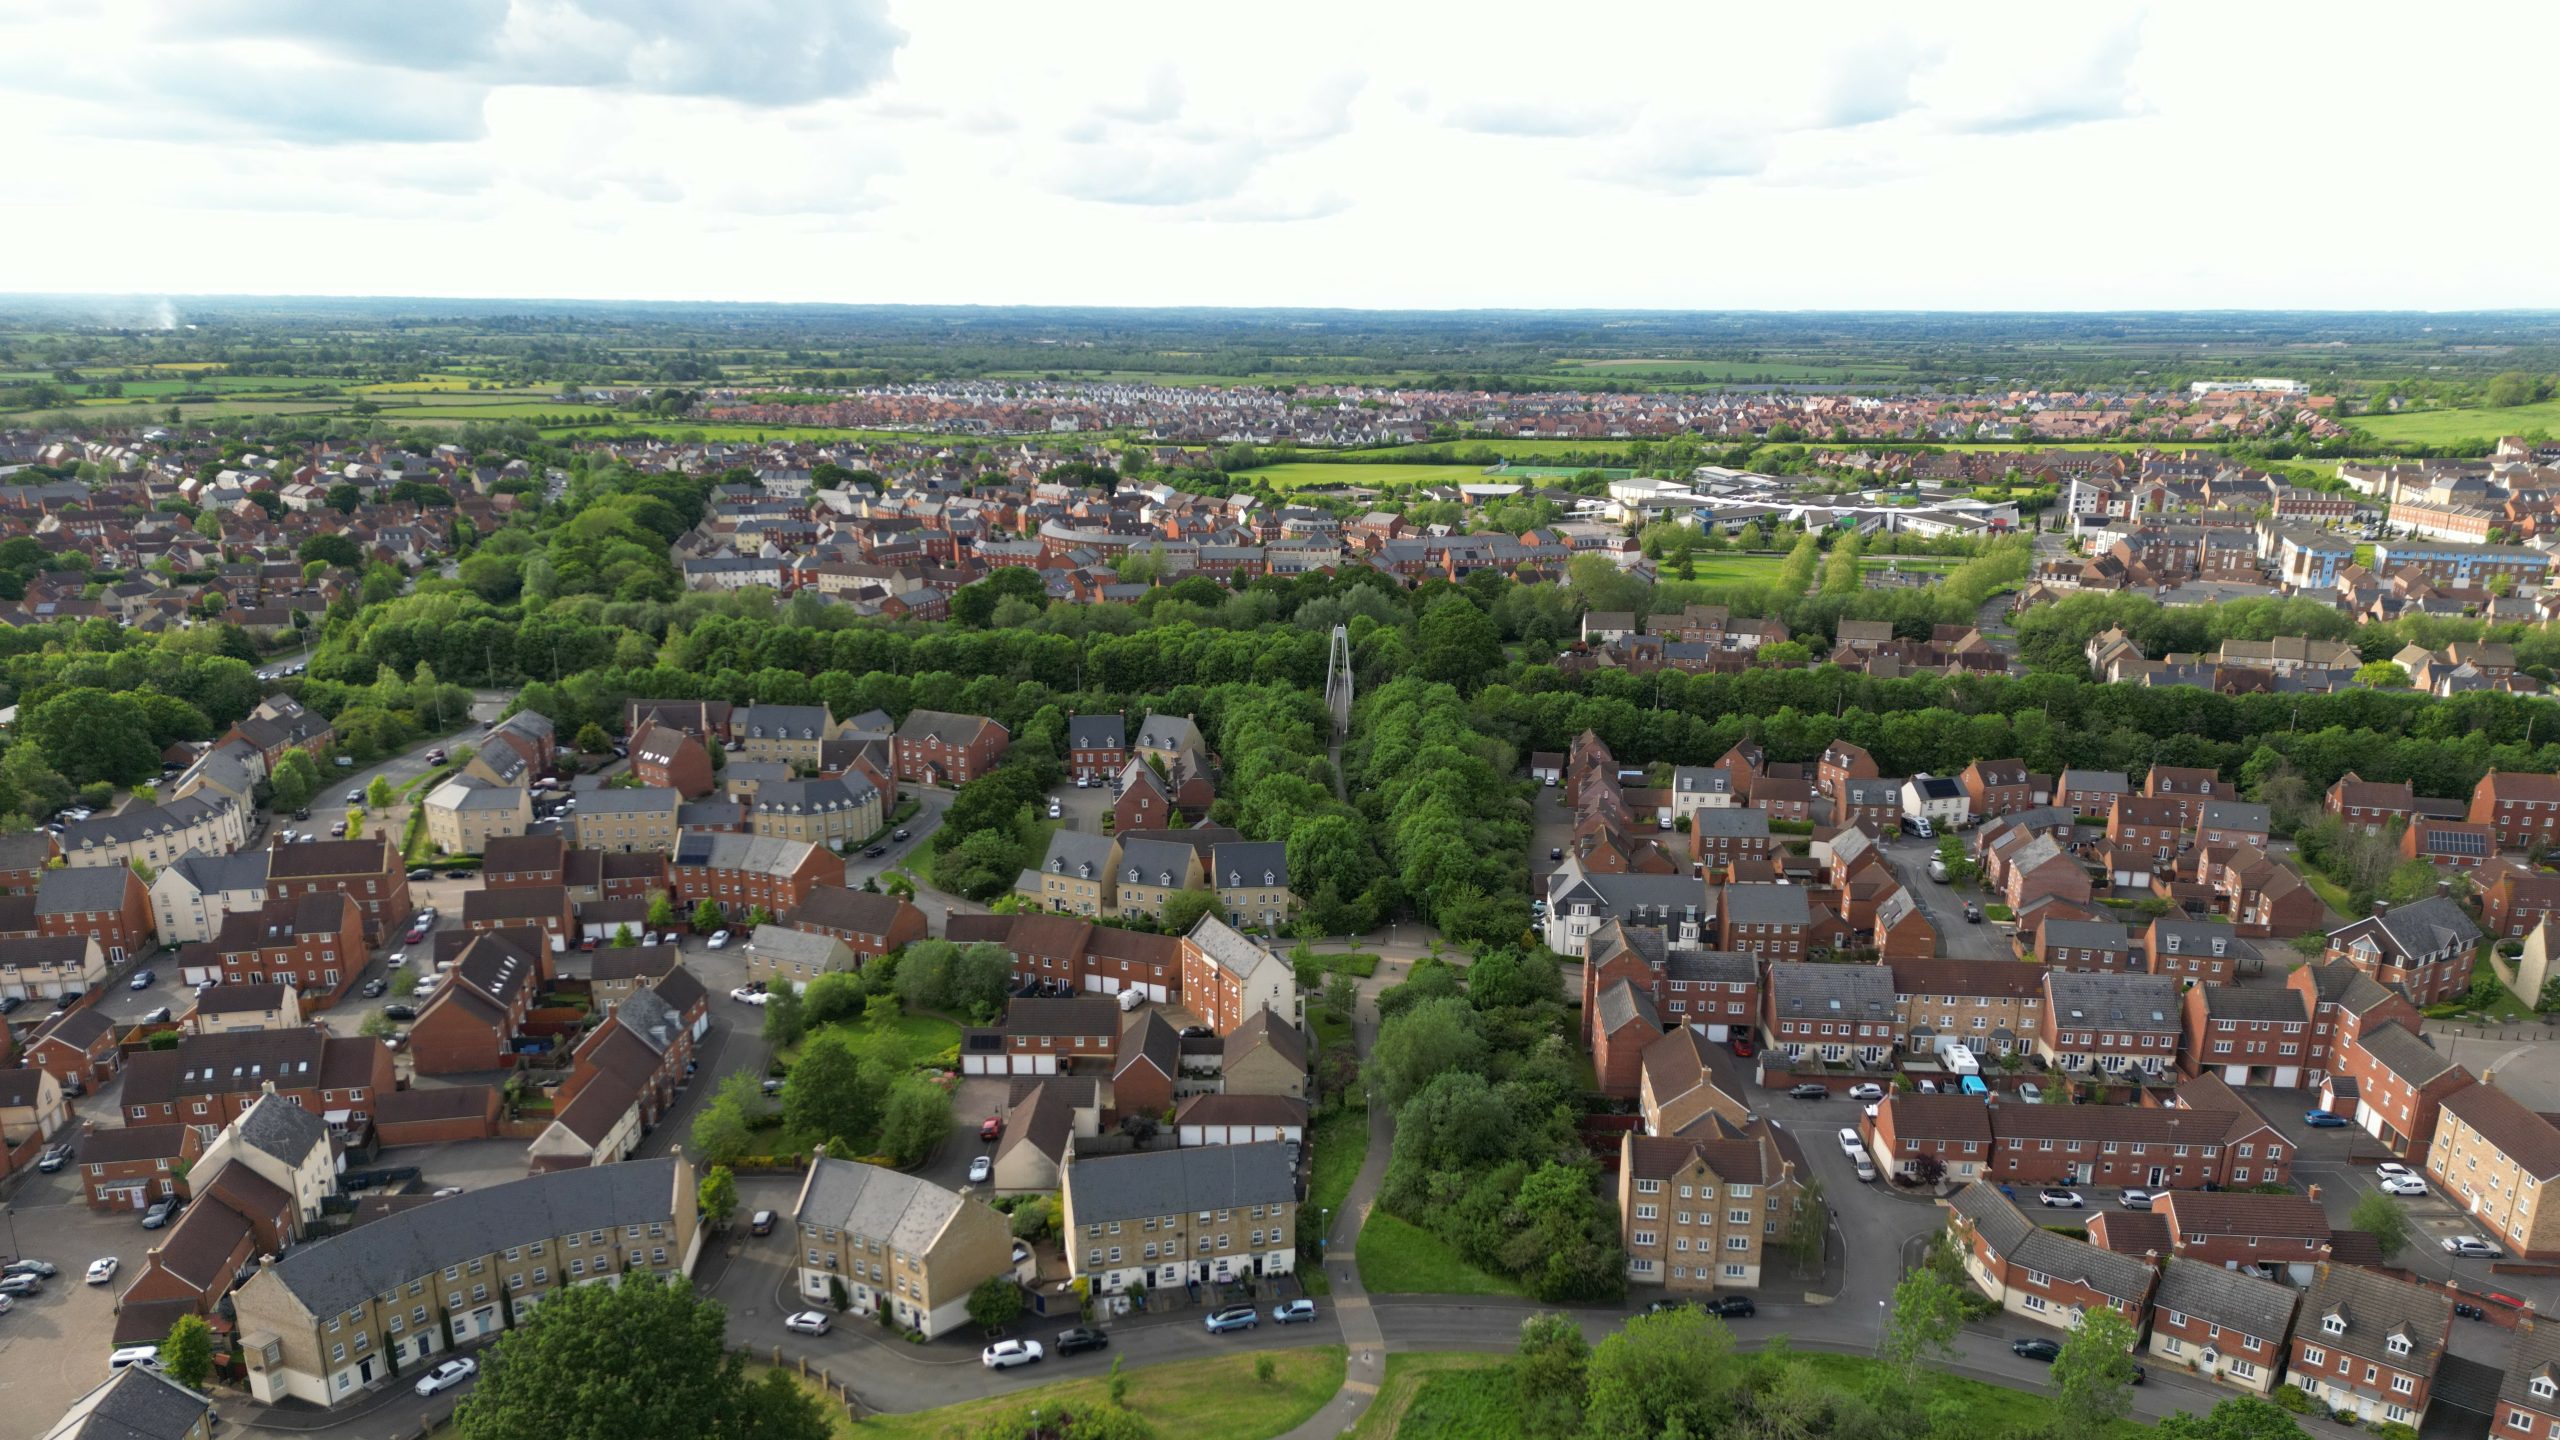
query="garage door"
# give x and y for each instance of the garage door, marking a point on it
(2235, 1074)
(2369, 1118)
(2288, 1076)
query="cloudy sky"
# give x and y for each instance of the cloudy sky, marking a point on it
(1380, 153)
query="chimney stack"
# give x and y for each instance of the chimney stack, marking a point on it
(2314, 1194)
(2381, 907)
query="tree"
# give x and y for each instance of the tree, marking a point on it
(662, 912)
(1117, 1383)
(642, 1360)
(90, 734)
(1808, 1228)
(718, 1193)
(1659, 1376)
(914, 1119)
(1183, 909)
(295, 781)
(187, 1355)
(2241, 1417)
(1841, 574)
(378, 1025)
(2093, 1376)
(786, 1018)
(834, 1096)
(2509, 388)
(2382, 675)
(1458, 643)
(592, 739)
(1922, 1323)
(722, 1129)
(1432, 1037)
(707, 916)
(1549, 1375)
(995, 1303)
(2380, 1216)
(1795, 577)
(623, 939)
(380, 795)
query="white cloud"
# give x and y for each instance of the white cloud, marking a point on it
(1655, 153)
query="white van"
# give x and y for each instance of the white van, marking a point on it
(1132, 998)
(146, 1356)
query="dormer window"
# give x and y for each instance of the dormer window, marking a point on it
(2399, 1344)
(2542, 1387)
(2334, 1324)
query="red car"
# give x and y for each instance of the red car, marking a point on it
(1741, 1046)
(991, 1128)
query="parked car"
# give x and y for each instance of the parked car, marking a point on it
(2060, 1199)
(2406, 1185)
(145, 1356)
(1741, 1047)
(745, 996)
(875, 852)
(1731, 1307)
(1080, 1339)
(982, 1170)
(103, 1269)
(2393, 1169)
(2463, 1247)
(9, 1005)
(21, 1286)
(719, 940)
(991, 1129)
(1850, 1144)
(160, 1213)
(144, 980)
(2031, 1093)
(43, 1269)
(763, 1223)
(1005, 1354)
(67, 999)
(807, 1322)
(2044, 1350)
(2323, 1120)
(400, 1012)
(2135, 1199)
(54, 1158)
(1293, 1312)
(1807, 1091)
(423, 872)
(373, 988)
(447, 1375)
(355, 797)
(1866, 1092)
(1234, 1317)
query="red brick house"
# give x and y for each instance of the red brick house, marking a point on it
(1621, 1027)
(2151, 826)
(2038, 1274)
(2188, 787)
(366, 871)
(2038, 869)
(1144, 803)
(513, 861)
(1043, 1036)
(475, 1017)
(1147, 1064)
(2250, 1035)
(1842, 761)
(2424, 947)
(2369, 805)
(1716, 989)
(209, 1079)
(2227, 1228)
(2229, 1324)
(2513, 899)
(2521, 808)
(2211, 1137)
(2197, 951)
(132, 1167)
(667, 758)
(1952, 1130)
(1097, 746)
(1902, 929)
(2448, 844)
(1996, 787)
(740, 872)
(871, 924)
(1722, 838)
(313, 943)
(2345, 1002)
(105, 903)
(76, 1044)
(2400, 1080)
(1774, 922)
(934, 747)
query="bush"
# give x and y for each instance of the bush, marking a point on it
(2394, 1430)
(2293, 1398)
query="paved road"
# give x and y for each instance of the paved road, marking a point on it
(1944, 905)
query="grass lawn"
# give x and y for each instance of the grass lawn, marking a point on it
(1728, 569)
(839, 1420)
(2508, 1009)
(1215, 1399)
(1300, 474)
(2331, 893)
(2444, 427)
(1396, 1256)
(1342, 1147)
(906, 1043)
(1442, 1395)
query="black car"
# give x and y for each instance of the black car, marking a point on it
(373, 988)
(9, 1005)
(423, 872)
(1080, 1339)
(400, 1012)
(2044, 1350)
(1807, 1092)
(67, 999)
(876, 851)
(1731, 1307)
(1196, 1032)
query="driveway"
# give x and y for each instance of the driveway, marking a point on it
(1944, 905)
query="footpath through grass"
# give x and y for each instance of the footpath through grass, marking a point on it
(1215, 1399)
(1398, 1257)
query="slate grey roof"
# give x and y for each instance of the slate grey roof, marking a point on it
(335, 1274)
(1249, 862)
(1076, 853)
(2086, 935)
(2019, 1241)
(2103, 781)
(2403, 1054)
(1154, 862)
(1622, 1003)
(1766, 905)
(132, 1404)
(942, 725)
(2424, 927)
(282, 1129)
(470, 792)
(1734, 822)
(760, 854)
(781, 722)
(626, 800)
(812, 797)
(2232, 1299)
(1097, 732)
(2093, 1000)
(2535, 1355)
(1176, 1182)
(144, 821)
(88, 888)
(2375, 1307)
(2197, 937)
(2235, 815)
(1801, 991)
(875, 1204)
(1226, 948)
(2255, 1002)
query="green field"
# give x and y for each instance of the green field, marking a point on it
(1214, 1399)
(1469, 1378)
(2447, 427)
(1716, 569)
(1298, 475)
(905, 1043)
(1774, 372)
(1398, 1257)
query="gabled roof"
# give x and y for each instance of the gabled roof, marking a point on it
(1173, 1182)
(2095, 1000)
(2019, 1241)
(2372, 1308)
(2232, 1299)
(2523, 1136)
(133, 1404)
(2404, 1054)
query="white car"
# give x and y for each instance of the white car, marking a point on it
(103, 1270)
(745, 996)
(1866, 1092)
(399, 959)
(2394, 1170)
(719, 939)
(2465, 1248)
(2030, 1094)
(2061, 1199)
(1005, 1354)
(1850, 1144)
(807, 1322)
(447, 1375)
(981, 1170)
(2404, 1185)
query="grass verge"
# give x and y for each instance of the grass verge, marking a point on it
(1455, 1383)
(1987, 1409)
(1397, 1256)
(839, 1420)
(1215, 1399)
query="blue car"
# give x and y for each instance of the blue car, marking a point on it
(1234, 1317)
(2323, 1120)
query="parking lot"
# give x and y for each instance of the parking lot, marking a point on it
(54, 1345)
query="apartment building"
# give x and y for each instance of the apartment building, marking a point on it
(328, 1319)
(895, 1244)
(157, 835)
(626, 820)
(785, 734)
(1226, 977)
(835, 812)
(1171, 1218)
(934, 747)
(2521, 807)
(1701, 1212)
(2369, 1343)
(465, 813)
(2425, 947)
(744, 872)
(2498, 1160)
(1836, 1013)
(2248, 1034)
(667, 758)
(2400, 1082)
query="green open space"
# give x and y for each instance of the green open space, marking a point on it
(906, 1042)
(839, 1420)
(1397, 1256)
(1342, 1147)
(1214, 1399)
(1461, 1386)
(1300, 474)
(2451, 427)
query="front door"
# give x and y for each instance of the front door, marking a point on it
(364, 1371)
(2158, 1174)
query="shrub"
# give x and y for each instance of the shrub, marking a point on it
(2291, 1397)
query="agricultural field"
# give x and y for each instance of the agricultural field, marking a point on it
(1747, 372)
(2450, 427)
(1298, 475)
